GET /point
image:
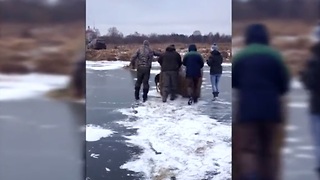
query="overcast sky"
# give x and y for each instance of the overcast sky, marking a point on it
(160, 16)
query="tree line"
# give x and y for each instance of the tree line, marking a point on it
(114, 36)
(42, 11)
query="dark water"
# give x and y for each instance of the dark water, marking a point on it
(41, 139)
(113, 89)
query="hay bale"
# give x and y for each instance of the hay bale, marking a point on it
(182, 84)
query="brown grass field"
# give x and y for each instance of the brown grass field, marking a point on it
(124, 52)
(50, 49)
(43, 49)
(291, 38)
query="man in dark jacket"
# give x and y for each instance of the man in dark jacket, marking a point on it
(170, 63)
(193, 61)
(142, 59)
(215, 63)
(311, 79)
(261, 79)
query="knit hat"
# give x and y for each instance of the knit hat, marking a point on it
(214, 47)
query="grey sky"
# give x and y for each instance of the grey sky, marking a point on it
(160, 16)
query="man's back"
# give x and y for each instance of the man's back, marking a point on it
(143, 56)
(193, 62)
(260, 76)
(170, 60)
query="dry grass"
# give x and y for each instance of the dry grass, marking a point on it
(291, 38)
(48, 49)
(124, 52)
(51, 49)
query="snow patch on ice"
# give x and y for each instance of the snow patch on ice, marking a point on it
(17, 87)
(105, 65)
(95, 133)
(296, 84)
(178, 141)
(112, 65)
(298, 104)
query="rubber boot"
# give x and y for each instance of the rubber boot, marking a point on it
(145, 95)
(137, 93)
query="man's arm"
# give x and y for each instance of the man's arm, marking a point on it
(157, 53)
(201, 61)
(185, 59)
(311, 75)
(134, 58)
(284, 77)
(179, 60)
(209, 61)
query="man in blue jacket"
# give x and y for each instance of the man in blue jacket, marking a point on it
(261, 79)
(193, 61)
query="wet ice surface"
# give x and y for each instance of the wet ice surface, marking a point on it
(39, 137)
(156, 140)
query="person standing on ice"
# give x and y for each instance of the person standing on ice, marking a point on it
(170, 63)
(260, 81)
(215, 63)
(142, 60)
(311, 79)
(193, 61)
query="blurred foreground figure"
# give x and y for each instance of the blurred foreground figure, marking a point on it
(142, 59)
(260, 80)
(311, 80)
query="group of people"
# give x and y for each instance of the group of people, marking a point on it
(171, 62)
(260, 81)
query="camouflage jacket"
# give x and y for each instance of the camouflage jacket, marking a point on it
(143, 57)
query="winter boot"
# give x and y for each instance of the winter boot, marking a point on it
(145, 95)
(137, 93)
(214, 96)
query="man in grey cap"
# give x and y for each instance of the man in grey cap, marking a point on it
(142, 60)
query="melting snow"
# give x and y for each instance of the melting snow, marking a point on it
(95, 133)
(15, 87)
(178, 141)
(111, 65)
